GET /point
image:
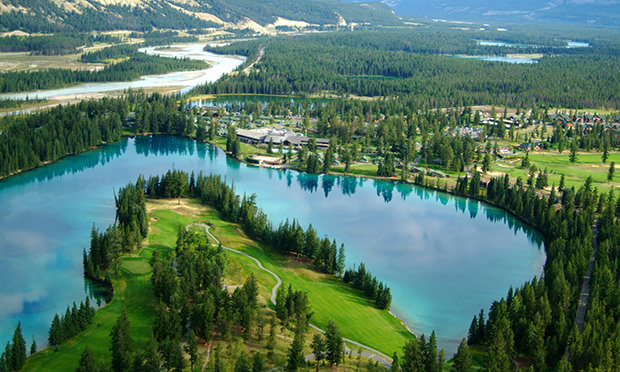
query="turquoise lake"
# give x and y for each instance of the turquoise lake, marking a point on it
(443, 257)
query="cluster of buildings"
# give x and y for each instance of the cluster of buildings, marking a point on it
(277, 136)
(475, 133)
(585, 120)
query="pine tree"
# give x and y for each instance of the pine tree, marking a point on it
(525, 163)
(147, 359)
(8, 352)
(462, 358)
(192, 349)
(121, 344)
(295, 353)
(87, 361)
(318, 348)
(573, 152)
(18, 352)
(486, 163)
(271, 341)
(54, 337)
(340, 262)
(561, 186)
(481, 336)
(242, 364)
(611, 172)
(412, 357)
(4, 367)
(33, 347)
(431, 354)
(395, 367)
(257, 363)
(472, 336)
(499, 359)
(333, 344)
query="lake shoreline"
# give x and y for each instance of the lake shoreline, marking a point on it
(393, 179)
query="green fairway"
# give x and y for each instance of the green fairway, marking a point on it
(330, 297)
(586, 164)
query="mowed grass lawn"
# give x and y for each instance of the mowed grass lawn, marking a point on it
(367, 170)
(330, 298)
(132, 291)
(575, 173)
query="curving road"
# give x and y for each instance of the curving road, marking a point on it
(369, 353)
(585, 289)
(584, 296)
(260, 265)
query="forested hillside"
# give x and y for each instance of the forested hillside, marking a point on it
(143, 15)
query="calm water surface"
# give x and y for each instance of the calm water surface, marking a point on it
(443, 257)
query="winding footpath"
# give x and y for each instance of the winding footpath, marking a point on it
(368, 352)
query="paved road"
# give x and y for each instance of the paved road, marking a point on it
(261, 53)
(368, 352)
(260, 265)
(585, 289)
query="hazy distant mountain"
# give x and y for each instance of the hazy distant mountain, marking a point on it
(602, 12)
(87, 15)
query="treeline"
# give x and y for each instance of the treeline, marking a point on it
(137, 64)
(164, 37)
(361, 279)
(536, 321)
(347, 64)
(17, 103)
(291, 305)
(289, 237)
(75, 320)
(29, 141)
(126, 234)
(598, 343)
(57, 44)
(157, 113)
(420, 355)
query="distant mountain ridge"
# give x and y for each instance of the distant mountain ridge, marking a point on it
(590, 12)
(142, 15)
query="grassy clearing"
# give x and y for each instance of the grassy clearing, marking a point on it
(586, 164)
(23, 61)
(366, 170)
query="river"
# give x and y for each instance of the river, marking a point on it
(183, 81)
(444, 257)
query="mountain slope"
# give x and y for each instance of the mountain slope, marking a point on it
(142, 15)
